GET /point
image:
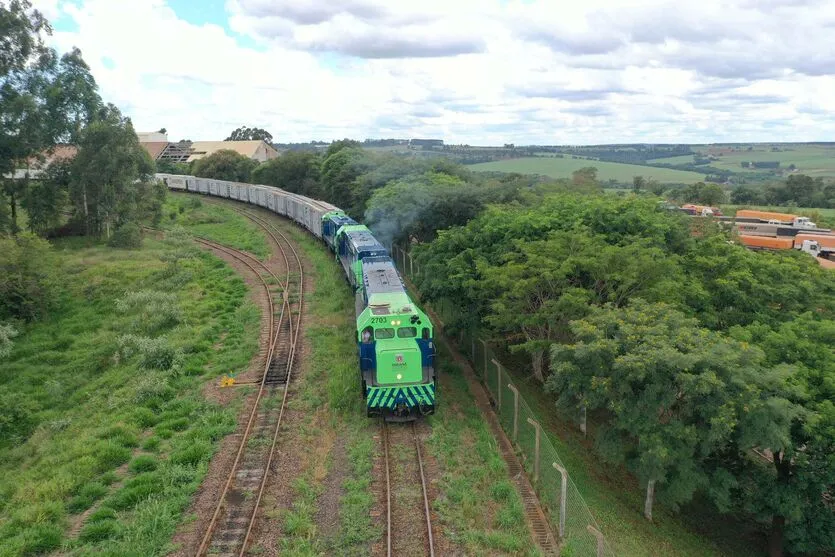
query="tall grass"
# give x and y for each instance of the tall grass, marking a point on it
(109, 411)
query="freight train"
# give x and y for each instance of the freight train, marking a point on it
(395, 338)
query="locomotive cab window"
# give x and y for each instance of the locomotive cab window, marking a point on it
(367, 335)
(385, 332)
(425, 333)
(407, 332)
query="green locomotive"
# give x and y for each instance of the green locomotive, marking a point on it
(395, 338)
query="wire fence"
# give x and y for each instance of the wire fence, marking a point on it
(572, 522)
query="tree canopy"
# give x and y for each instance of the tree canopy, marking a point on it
(225, 164)
(245, 133)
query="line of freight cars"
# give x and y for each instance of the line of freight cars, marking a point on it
(395, 338)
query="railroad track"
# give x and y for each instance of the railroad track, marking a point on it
(230, 528)
(405, 512)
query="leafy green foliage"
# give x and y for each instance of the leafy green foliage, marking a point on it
(245, 133)
(7, 333)
(225, 164)
(694, 355)
(28, 277)
(127, 236)
(104, 172)
(44, 99)
(294, 171)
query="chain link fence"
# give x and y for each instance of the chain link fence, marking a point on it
(576, 529)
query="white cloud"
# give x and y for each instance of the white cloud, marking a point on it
(474, 71)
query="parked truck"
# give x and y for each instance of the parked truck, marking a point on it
(776, 218)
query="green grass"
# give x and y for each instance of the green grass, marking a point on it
(129, 441)
(813, 160)
(562, 168)
(480, 507)
(209, 220)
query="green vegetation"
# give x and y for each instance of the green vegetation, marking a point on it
(563, 167)
(480, 505)
(209, 220)
(225, 164)
(104, 434)
(676, 399)
(46, 101)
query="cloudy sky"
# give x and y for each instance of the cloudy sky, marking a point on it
(468, 71)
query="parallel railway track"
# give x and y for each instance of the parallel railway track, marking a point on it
(387, 453)
(231, 526)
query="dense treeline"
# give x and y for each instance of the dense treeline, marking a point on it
(98, 181)
(798, 190)
(709, 368)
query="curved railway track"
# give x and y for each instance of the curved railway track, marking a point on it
(230, 528)
(390, 541)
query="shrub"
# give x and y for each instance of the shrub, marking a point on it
(100, 514)
(154, 353)
(86, 496)
(152, 310)
(100, 531)
(143, 463)
(7, 333)
(128, 236)
(28, 277)
(42, 538)
(17, 417)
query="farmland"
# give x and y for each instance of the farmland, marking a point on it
(811, 159)
(563, 167)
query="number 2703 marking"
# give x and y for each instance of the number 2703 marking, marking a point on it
(378, 319)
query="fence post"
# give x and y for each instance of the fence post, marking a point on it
(403, 256)
(498, 385)
(563, 488)
(484, 373)
(599, 537)
(512, 387)
(535, 424)
(583, 420)
(411, 267)
(472, 341)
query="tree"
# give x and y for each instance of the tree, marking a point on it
(638, 183)
(294, 171)
(585, 179)
(105, 171)
(249, 134)
(671, 392)
(43, 100)
(340, 171)
(746, 196)
(225, 164)
(28, 279)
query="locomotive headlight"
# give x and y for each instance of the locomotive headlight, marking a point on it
(399, 376)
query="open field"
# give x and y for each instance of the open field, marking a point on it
(813, 160)
(111, 434)
(562, 168)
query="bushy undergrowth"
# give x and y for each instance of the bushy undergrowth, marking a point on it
(94, 389)
(127, 236)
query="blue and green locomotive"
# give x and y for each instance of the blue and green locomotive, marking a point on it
(395, 339)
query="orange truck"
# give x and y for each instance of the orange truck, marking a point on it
(776, 218)
(767, 242)
(825, 241)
